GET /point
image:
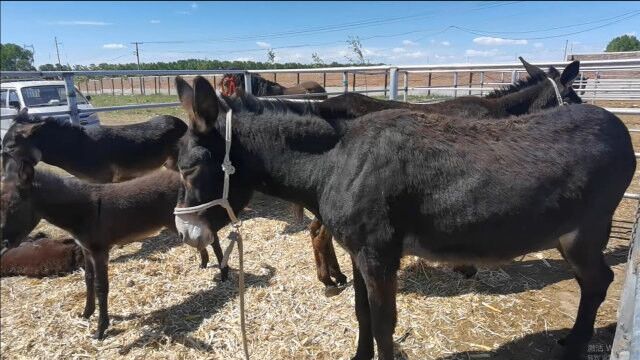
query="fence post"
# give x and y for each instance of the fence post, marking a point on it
(101, 86)
(169, 85)
(297, 78)
(345, 81)
(155, 85)
(275, 77)
(142, 92)
(514, 75)
(247, 83)
(113, 87)
(95, 87)
(393, 83)
(353, 86)
(481, 82)
(131, 84)
(470, 81)
(71, 99)
(121, 85)
(595, 87)
(455, 84)
(429, 85)
(406, 86)
(386, 78)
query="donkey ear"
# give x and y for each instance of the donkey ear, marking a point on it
(534, 71)
(205, 106)
(27, 130)
(570, 73)
(185, 94)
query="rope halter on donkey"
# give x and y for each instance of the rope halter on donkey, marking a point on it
(557, 92)
(234, 236)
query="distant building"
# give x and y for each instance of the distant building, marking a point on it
(605, 56)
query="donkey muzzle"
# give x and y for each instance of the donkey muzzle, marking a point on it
(193, 231)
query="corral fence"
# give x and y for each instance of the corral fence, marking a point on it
(610, 82)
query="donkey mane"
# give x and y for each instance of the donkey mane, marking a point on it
(26, 119)
(259, 85)
(513, 88)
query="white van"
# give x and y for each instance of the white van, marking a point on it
(41, 97)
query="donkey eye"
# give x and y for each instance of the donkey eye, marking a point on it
(188, 170)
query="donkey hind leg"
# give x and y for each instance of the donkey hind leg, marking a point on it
(318, 243)
(583, 251)
(363, 314)
(334, 266)
(89, 275)
(224, 268)
(204, 258)
(378, 271)
(102, 290)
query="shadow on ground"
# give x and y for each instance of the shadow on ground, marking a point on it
(176, 322)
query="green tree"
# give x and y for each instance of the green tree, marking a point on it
(271, 57)
(15, 58)
(624, 43)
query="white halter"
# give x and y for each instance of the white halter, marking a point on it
(555, 88)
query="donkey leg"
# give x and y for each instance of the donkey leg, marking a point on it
(379, 271)
(102, 290)
(322, 265)
(90, 304)
(204, 258)
(584, 253)
(467, 270)
(334, 266)
(224, 271)
(365, 335)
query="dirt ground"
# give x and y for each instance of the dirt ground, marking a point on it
(163, 306)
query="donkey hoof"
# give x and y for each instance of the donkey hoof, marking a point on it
(570, 349)
(99, 335)
(224, 273)
(341, 280)
(86, 314)
(331, 290)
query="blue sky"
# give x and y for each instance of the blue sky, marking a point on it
(391, 32)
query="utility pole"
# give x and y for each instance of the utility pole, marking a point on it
(55, 39)
(566, 43)
(137, 52)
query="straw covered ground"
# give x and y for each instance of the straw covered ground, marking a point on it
(163, 306)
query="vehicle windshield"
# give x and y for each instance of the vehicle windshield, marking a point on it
(48, 95)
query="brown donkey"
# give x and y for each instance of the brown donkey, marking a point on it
(41, 256)
(98, 216)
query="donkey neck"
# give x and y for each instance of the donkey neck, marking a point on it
(65, 203)
(281, 154)
(61, 145)
(524, 101)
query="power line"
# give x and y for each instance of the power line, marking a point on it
(327, 28)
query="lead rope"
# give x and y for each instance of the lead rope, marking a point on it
(234, 235)
(555, 88)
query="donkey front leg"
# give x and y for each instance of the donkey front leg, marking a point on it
(204, 258)
(102, 289)
(90, 304)
(378, 271)
(224, 268)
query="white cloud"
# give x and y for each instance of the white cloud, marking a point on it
(538, 45)
(263, 44)
(472, 52)
(113, 46)
(487, 40)
(194, 5)
(409, 43)
(633, 33)
(154, 21)
(399, 50)
(445, 43)
(81, 22)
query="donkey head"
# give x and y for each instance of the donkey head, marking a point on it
(199, 163)
(17, 214)
(19, 138)
(564, 81)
